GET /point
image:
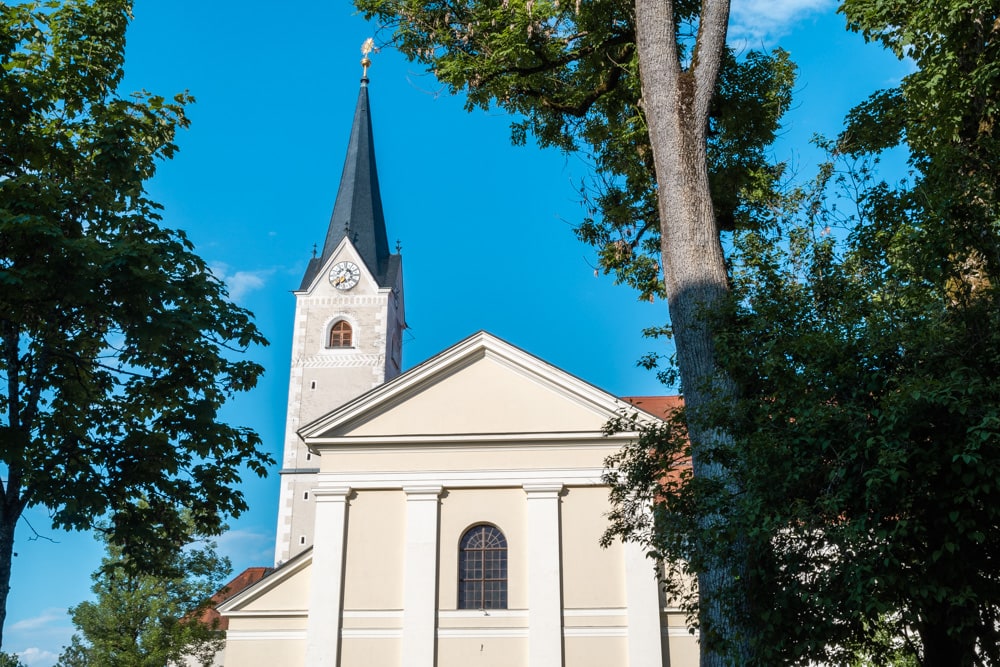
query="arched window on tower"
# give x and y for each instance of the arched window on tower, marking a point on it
(482, 569)
(341, 335)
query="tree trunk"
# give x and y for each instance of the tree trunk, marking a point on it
(676, 102)
(943, 650)
(8, 521)
(947, 636)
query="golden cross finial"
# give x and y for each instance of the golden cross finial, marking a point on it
(366, 49)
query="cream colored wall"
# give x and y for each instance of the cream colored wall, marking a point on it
(463, 508)
(275, 622)
(593, 577)
(487, 396)
(291, 594)
(376, 531)
(266, 653)
(369, 652)
(190, 661)
(483, 652)
(683, 650)
(595, 652)
(478, 456)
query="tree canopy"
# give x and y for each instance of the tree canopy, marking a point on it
(119, 346)
(142, 620)
(569, 75)
(862, 335)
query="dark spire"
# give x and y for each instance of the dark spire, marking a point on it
(357, 213)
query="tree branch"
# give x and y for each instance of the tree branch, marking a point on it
(549, 64)
(707, 57)
(37, 535)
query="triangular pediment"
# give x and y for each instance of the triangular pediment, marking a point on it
(481, 386)
(345, 252)
(286, 589)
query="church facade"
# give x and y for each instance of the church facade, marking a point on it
(445, 516)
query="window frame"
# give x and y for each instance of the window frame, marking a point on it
(343, 323)
(483, 591)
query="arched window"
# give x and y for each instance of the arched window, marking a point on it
(482, 569)
(341, 335)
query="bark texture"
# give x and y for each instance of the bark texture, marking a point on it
(7, 526)
(676, 103)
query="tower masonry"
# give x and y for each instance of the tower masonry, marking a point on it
(349, 322)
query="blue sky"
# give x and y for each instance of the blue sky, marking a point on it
(485, 228)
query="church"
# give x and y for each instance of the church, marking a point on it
(448, 515)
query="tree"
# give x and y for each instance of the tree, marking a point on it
(118, 344)
(9, 660)
(867, 354)
(140, 620)
(635, 86)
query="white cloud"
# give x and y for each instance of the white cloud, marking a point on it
(46, 618)
(243, 282)
(240, 283)
(757, 23)
(36, 656)
(245, 545)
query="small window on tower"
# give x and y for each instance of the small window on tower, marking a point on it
(341, 335)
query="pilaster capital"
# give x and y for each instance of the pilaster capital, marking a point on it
(542, 490)
(331, 493)
(423, 491)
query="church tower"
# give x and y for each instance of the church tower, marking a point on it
(349, 321)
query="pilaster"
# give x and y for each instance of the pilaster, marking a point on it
(327, 576)
(645, 648)
(545, 641)
(420, 584)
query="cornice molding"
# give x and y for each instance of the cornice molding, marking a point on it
(466, 479)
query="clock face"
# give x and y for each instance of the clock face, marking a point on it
(345, 275)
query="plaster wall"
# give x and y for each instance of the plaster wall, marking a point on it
(483, 652)
(292, 594)
(376, 527)
(268, 650)
(596, 651)
(370, 651)
(487, 396)
(593, 577)
(682, 650)
(482, 457)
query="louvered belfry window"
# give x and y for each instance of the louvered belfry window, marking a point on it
(340, 334)
(482, 569)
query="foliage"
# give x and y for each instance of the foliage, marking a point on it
(568, 72)
(870, 400)
(10, 660)
(866, 347)
(118, 344)
(140, 620)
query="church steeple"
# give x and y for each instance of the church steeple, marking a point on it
(348, 327)
(357, 213)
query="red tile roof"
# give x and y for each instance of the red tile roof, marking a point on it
(239, 583)
(661, 406)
